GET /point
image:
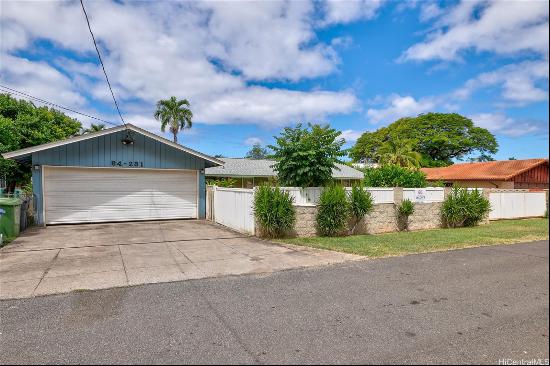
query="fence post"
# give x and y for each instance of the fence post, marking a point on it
(397, 195)
(214, 188)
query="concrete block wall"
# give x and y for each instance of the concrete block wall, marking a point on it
(382, 219)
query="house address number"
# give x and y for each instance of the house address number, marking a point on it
(130, 164)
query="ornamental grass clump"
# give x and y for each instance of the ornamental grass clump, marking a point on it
(360, 204)
(465, 207)
(404, 210)
(332, 211)
(273, 211)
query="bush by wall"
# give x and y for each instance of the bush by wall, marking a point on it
(465, 208)
(333, 209)
(394, 176)
(361, 203)
(404, 210)
(273, 211)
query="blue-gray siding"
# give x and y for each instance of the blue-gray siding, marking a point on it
(103, 150)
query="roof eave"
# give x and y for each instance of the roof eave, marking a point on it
(30, 150)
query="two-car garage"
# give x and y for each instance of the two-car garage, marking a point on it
(119, 174)
(76, 195)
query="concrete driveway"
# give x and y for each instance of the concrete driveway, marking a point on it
(59, 259)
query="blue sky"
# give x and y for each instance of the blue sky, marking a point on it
(251, 68)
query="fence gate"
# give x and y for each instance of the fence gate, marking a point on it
(514, 204)
(233, 207)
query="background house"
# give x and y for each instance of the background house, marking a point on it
(249, 173)
(518, 174)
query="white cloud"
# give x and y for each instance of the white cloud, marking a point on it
(398, 106)
(346, 11)
(268, 40)
(502, 27)
(501, 124)
(275, 106)
(351, 135)
(44, 80)
(206, 52)
(429, 11)
(519, 82)
(253, 141)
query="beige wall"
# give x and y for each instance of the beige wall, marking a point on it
(382, 219)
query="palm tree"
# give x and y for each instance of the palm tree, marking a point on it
(93, 128)
(175, 114)
(399, 153)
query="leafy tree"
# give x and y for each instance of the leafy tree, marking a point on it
(394, 176)
(305, 157)
(23, 125)
(438, 137)
(399, 153)
(257, 152)
(175, 114)
(93, 128)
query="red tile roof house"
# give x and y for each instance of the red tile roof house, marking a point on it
(505, 174)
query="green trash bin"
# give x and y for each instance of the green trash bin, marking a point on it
(10, 214)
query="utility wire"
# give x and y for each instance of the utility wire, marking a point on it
(11, 90)
(101, 61)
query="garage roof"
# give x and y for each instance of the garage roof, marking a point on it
(242, 167)
(24, 154)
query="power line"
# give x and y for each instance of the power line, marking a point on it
(11, 90)
(101, 61)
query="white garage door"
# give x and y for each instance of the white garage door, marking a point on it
(73, 195)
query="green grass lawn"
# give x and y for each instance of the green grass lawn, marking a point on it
(393, 244)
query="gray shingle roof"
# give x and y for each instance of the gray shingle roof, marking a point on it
(240, 167)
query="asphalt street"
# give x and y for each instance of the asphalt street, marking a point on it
(477, 305)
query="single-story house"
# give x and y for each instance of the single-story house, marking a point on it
(119, 174)
(249, 173)
(505, 174)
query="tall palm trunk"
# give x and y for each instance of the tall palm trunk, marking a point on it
(174, 129)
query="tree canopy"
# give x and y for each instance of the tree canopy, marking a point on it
(23, 125)
(175, 114)
(438, 137)
(305, 156)
(93, 128)
(257, 152)
(400, 153)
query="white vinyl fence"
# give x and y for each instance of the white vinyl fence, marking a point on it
(310, 196)
(424, 195)
(233, 207)
(514, 204)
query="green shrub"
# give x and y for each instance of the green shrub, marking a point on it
(273, 211)
(465, 208)
(404, 210)
(222, 182)
(394, 176)
(333, 209)
(360, 204)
